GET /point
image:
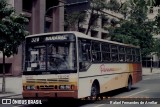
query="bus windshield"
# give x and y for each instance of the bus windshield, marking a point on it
(50, 56)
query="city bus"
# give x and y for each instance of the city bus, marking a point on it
(74, 65)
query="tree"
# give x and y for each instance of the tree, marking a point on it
(12, 32)
(135, 29)
(157, 3)
(96, 8)
(74, 20)
(157, 25)
(95, 11)
(156, 47)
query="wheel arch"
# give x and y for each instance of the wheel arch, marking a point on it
(129, 83)
(130, 76)
(96, 82)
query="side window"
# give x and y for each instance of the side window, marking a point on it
(129, 54)
(96, 52)
(84, 53)
(122, 55)
(106, 54)
(114, 53)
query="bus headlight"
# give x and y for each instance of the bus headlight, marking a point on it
(64, 87)
(68, 87)
(30, 87)
(61, 87)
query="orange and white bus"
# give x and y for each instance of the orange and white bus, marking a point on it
(72, 64)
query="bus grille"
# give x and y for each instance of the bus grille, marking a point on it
(46, 87)
(46, 80)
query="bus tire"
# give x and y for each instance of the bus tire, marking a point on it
(95, 91)
(129, 85)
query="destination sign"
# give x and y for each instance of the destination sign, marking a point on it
(59, 37)
(45, 38)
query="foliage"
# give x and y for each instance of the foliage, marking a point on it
(74, 19)
(95, 11)
(136, 29)
(12, 29)
(157, 3)
(12, 32)
(157, 25)
(113, 5)
(97, 5)
(156, 47)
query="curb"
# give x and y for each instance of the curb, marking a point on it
(10, 95)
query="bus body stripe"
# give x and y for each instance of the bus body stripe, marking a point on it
(108, 74)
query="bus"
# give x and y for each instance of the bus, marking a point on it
(73, 65)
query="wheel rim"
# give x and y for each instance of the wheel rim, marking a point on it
(129, 84)
(94, 90)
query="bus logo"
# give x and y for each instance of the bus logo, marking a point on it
(103, 68)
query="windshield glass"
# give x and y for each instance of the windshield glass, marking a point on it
(61, 56)
(50, 57)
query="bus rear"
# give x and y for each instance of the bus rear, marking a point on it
(50, 66)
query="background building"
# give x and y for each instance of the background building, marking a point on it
(35, 10)
(99, 31)
(44, 18)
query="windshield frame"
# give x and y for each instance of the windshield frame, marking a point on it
(46, 70)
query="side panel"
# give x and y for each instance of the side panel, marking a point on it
(107, 83)
(110, 77)
(137, 73)
(84, 87)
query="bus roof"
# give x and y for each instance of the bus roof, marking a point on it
(82, 35)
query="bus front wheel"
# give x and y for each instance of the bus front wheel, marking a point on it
(94, 91)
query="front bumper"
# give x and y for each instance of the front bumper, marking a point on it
(50, 94)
